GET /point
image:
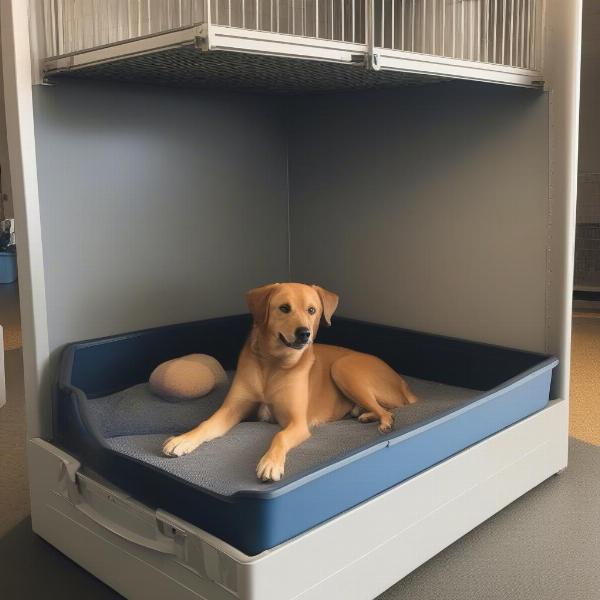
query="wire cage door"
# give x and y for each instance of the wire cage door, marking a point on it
(501, 32)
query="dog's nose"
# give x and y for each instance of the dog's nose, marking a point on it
(302, 334)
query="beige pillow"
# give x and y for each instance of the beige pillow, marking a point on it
(188, 377)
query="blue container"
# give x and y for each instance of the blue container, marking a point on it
(8, 267)
(510, 385)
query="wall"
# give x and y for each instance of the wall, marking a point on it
(157, 207)
(4, 164)
(426, 207)
(587, 256)
(589, 131)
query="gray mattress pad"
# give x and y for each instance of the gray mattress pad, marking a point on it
(136, 422)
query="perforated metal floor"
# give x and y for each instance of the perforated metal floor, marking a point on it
(189, 67)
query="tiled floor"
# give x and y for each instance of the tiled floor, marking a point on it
(585, 379)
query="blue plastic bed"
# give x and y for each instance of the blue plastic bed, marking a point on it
(105, 415)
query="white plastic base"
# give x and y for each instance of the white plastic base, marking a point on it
(152, 555)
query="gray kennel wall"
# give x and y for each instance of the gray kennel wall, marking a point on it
(157, 206)
(426, 207)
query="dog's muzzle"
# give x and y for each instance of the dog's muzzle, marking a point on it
(302, 337)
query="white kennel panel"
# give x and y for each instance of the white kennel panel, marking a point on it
(149, 554)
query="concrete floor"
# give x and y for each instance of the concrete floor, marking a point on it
(544, 546)
(14, 492)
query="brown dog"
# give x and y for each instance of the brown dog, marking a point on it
(283, 377)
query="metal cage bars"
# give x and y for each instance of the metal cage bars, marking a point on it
(503, 32)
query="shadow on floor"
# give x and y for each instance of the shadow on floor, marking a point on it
(31, 568)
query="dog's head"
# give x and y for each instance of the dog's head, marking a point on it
(289, 314)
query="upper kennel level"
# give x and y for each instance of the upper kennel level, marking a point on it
(294, 45)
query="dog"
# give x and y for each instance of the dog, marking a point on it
(285, 378)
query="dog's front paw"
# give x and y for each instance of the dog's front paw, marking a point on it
(180, 445)
(386, 422)
(269, 468)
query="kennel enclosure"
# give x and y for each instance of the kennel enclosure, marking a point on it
(295, 45)
(430, 198)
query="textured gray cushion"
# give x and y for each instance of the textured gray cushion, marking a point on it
(138, 410)
(135, 422)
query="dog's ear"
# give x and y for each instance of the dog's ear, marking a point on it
(329, 300)
(258, 302)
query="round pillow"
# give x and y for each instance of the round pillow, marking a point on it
(188, 377)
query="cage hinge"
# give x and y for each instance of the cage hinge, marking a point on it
(372, 62)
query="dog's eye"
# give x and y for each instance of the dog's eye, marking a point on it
(285, 308)
(312, 310)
